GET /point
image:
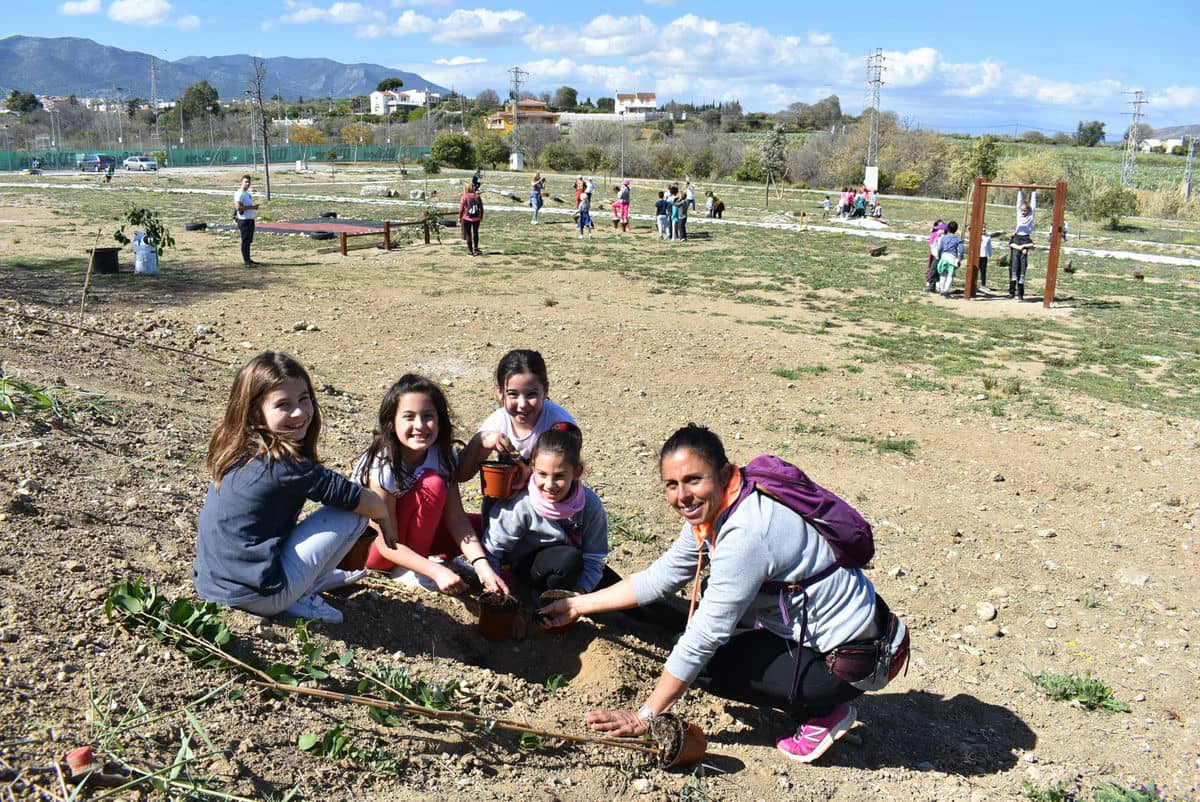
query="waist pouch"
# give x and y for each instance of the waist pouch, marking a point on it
(871, 664)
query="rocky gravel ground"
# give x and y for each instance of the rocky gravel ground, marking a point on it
(1012, 545)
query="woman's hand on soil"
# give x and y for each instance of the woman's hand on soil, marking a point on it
(490, 579)
(616, 722)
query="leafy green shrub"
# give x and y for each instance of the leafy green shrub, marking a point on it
(456, 150)
(750, 169)
(906, 182)
(560, 157)
(1113, 204)
(429, 164)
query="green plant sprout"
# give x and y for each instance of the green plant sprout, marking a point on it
(1087, 692)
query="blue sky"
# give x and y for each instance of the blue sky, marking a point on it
(967, 67)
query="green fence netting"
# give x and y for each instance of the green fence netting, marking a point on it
(208, 157)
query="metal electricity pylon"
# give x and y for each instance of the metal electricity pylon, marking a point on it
(1129, 164)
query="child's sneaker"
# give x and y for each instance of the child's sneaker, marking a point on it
(314, 608)
(816, 735)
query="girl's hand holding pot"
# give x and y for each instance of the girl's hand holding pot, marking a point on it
(490, 579)
(559, 613)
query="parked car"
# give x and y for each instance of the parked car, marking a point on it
(140, 163)
(96, 163)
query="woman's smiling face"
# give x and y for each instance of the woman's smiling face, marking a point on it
(693, 486)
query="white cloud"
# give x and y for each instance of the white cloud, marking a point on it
(74, 7)
(481, 26)
(605, 35)
(459, 61)
(820, 39)
(338, 13)
(140, 12)
(188, 22)
(913, 68)
(1175, 97)
(422, 3)
(663, 2)
(409, 23)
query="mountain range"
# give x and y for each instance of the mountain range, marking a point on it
(81, 67)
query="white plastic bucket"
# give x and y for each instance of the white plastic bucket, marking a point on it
(145, 257)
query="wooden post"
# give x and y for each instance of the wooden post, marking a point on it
(342, 237)
(387, 235)
(1060, 204)
(425, 227)
(978, 199)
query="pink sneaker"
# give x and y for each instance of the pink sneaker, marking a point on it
(817, 734)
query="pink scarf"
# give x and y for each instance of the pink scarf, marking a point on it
(556, 510)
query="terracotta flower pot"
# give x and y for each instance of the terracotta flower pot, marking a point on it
(82, 760)
(498, 478)
(681, 743)
(497, 616)
(356, 558)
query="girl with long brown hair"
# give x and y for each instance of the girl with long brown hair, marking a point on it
(252, 552)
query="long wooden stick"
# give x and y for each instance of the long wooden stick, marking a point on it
(455, 715)
(87, 279)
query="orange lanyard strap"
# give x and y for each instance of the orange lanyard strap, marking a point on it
(707, 532)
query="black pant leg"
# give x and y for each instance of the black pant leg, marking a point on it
(759, 668)
(552, 568)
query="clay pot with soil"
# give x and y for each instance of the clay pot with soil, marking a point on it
(680, 743)
(498, 616)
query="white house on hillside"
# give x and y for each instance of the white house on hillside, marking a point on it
(636, 102)
(402, 99)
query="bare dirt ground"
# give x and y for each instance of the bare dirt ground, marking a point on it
(1079, 532)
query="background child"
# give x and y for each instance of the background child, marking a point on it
(525, 412)
(949, 254)
(250, 551)
(985, 253)
(708, 203)
(623, 199)
(1021, 244)
(935, 233)
(680, 217)
(409, 466)
(470, 215)
(583, 214)
(555, 536)
(662, 215)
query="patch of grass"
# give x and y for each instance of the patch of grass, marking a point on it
(905, 447)
(853, 368)
(1089, 601)
(803, 370)
(1013, 387)
(915, 383)
(1086, 691)
(811, 428)
(1054, 792)
(990, 383)
(623, 527)
(996, 408)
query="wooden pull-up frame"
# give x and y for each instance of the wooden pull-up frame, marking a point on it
(978, 210)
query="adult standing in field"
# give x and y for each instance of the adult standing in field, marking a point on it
(470, 215)
(247, 211)
(690, 194)
(811, 613)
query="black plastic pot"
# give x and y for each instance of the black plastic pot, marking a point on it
(104, 260)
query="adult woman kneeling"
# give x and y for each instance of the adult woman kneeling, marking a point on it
(782, 662)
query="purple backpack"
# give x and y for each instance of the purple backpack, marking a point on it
(845, 531)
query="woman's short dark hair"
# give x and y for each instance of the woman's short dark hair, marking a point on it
(699, 439)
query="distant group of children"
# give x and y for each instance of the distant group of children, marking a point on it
(254, 553)
(852, 204)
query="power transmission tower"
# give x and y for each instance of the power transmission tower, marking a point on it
(156, 137)
(875, 70)
(1187, 174)
(1129, 165)
(518, 77)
